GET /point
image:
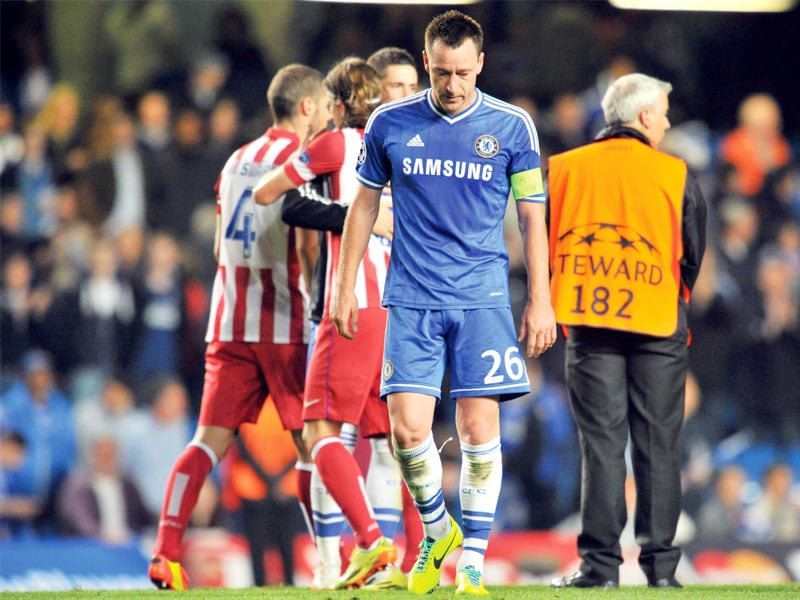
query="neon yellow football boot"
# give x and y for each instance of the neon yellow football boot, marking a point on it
(364, 563)
(167, 575)
(470, 582)
(424, 577)
(388, 578)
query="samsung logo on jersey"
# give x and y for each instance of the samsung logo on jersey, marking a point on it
(251, 169)
(436, 167)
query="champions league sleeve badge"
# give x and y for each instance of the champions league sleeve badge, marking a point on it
(486, 146)
(362, 153)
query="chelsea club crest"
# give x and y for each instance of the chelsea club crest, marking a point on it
(388, 370)
(486, 146)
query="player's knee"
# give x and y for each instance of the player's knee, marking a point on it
(315, 430)
(214, 439)
(477, 431)
(406, 436)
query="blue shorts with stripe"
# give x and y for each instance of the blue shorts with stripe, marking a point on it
(479, 345)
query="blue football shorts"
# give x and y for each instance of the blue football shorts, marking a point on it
(479, 345)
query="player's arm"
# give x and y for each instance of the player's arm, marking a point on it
(272, 185)
(307, 244)
(384, 224)
(538, 318)
(357, 228)
(308, 207)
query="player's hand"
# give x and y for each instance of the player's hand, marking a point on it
(539, 326)
(344, 312)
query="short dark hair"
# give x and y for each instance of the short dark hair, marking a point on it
(452, 28)
(289, 86)
(390, 56)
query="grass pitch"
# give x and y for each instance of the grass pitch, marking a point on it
(533, 592)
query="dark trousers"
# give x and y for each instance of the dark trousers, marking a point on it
(271, 523)
(623, 384)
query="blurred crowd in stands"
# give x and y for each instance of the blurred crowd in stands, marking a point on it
(107, 215)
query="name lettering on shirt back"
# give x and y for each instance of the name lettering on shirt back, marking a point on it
(251, 169)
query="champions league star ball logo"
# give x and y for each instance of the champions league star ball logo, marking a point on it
(486, 146)
(623, 236)
(362, 153)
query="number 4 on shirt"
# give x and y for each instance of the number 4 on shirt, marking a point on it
(241, 224)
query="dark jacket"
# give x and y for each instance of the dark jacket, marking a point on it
(79, 513)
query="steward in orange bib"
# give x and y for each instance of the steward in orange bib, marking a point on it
(627, 235)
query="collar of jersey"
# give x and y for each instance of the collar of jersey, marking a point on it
(276, 132)
(459, 116)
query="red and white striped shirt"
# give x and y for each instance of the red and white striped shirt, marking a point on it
(259, 294)
(335, 154)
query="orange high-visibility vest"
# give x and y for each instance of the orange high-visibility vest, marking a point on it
(272, 447)
(615, 236)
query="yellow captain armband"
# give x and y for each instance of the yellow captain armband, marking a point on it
(527, 183)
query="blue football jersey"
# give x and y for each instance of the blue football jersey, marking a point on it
(451, 178)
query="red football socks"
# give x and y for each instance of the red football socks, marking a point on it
(183, 487)
(342, 478)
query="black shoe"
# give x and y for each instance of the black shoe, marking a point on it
(665, 582)
(582, 580)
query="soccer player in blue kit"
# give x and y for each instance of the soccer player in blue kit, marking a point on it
(452, 154)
